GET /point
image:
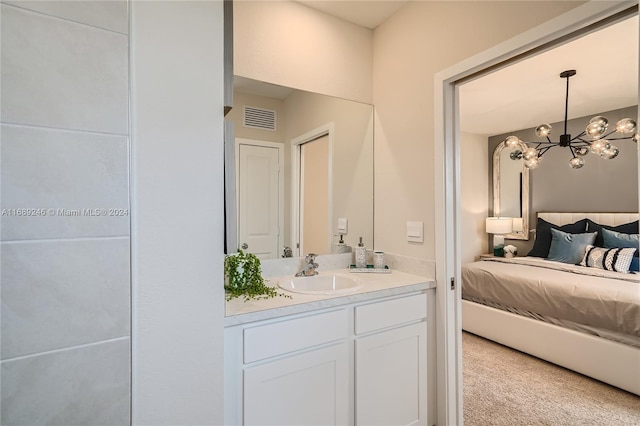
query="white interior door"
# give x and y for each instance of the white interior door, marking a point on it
(314, 196)
(260, 189)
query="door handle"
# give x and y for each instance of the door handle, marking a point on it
(244, 246)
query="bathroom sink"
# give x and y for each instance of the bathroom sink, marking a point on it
(322, 284)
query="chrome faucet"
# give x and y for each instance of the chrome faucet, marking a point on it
(310, 266)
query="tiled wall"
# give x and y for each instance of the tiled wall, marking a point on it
(65, 268)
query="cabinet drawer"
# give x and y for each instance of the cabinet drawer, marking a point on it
(385, 314)
(287, 336)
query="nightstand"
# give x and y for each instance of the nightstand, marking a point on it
(491, 256)
(486, 256)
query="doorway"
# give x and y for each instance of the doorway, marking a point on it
(312, 191)
(566, 27)
(314, 196)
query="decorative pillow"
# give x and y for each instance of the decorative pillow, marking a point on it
(543, 235)
(625, 228)
(612, 239)
(610, 259)
(569, 248)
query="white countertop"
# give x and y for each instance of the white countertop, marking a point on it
(376, 285)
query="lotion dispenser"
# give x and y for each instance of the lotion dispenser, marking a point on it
(361, 255)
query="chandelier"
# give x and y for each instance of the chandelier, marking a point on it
(594, 139)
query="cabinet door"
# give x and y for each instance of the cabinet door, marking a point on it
(310, 388)
(391, 377)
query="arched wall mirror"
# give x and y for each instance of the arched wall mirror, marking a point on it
(280, 202)
(511, 190)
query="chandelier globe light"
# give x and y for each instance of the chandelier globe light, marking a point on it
(593, 140)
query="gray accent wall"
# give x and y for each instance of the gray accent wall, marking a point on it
(65, 248)
(600, 186)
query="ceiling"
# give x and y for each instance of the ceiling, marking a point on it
(366, 13)
(531, 92)
(260, 88)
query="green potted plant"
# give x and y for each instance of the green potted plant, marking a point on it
(243, 277)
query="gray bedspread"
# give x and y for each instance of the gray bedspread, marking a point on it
(596, 298)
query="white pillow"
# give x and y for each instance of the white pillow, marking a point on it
(610, 259)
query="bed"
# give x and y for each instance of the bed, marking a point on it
(585, 319)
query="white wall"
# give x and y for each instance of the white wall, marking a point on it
(420, 40)
(177, 203)
(290, 44)
(474, 195)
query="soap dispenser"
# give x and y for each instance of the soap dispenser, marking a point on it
(361, 255)
(340, 247)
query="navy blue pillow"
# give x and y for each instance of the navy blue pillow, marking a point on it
(543, 235)
(625, 228)
(635, 264)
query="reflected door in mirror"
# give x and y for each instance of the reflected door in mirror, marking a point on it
(259, 189)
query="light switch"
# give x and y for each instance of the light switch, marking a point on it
(415, 232)
(342, 225)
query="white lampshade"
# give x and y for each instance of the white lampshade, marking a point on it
(499, 225)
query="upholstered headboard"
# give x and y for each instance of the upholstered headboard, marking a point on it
(611, 219)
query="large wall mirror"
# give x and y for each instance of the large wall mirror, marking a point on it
(302, 161)
(511, 190)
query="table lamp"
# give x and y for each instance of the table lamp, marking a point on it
(498, 226)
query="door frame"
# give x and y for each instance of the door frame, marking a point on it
(326, 129)
(266, 144)
(561, 29)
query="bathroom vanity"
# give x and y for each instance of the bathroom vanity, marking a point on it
(361, 358)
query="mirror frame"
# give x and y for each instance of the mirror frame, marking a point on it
(524, 234)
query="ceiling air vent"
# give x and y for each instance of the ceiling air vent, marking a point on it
(259, 118)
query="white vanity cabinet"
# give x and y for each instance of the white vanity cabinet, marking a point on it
(361, 363)
(391, 362)
(296, 369)
(306, 388)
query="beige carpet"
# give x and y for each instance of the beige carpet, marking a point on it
(505, 387)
